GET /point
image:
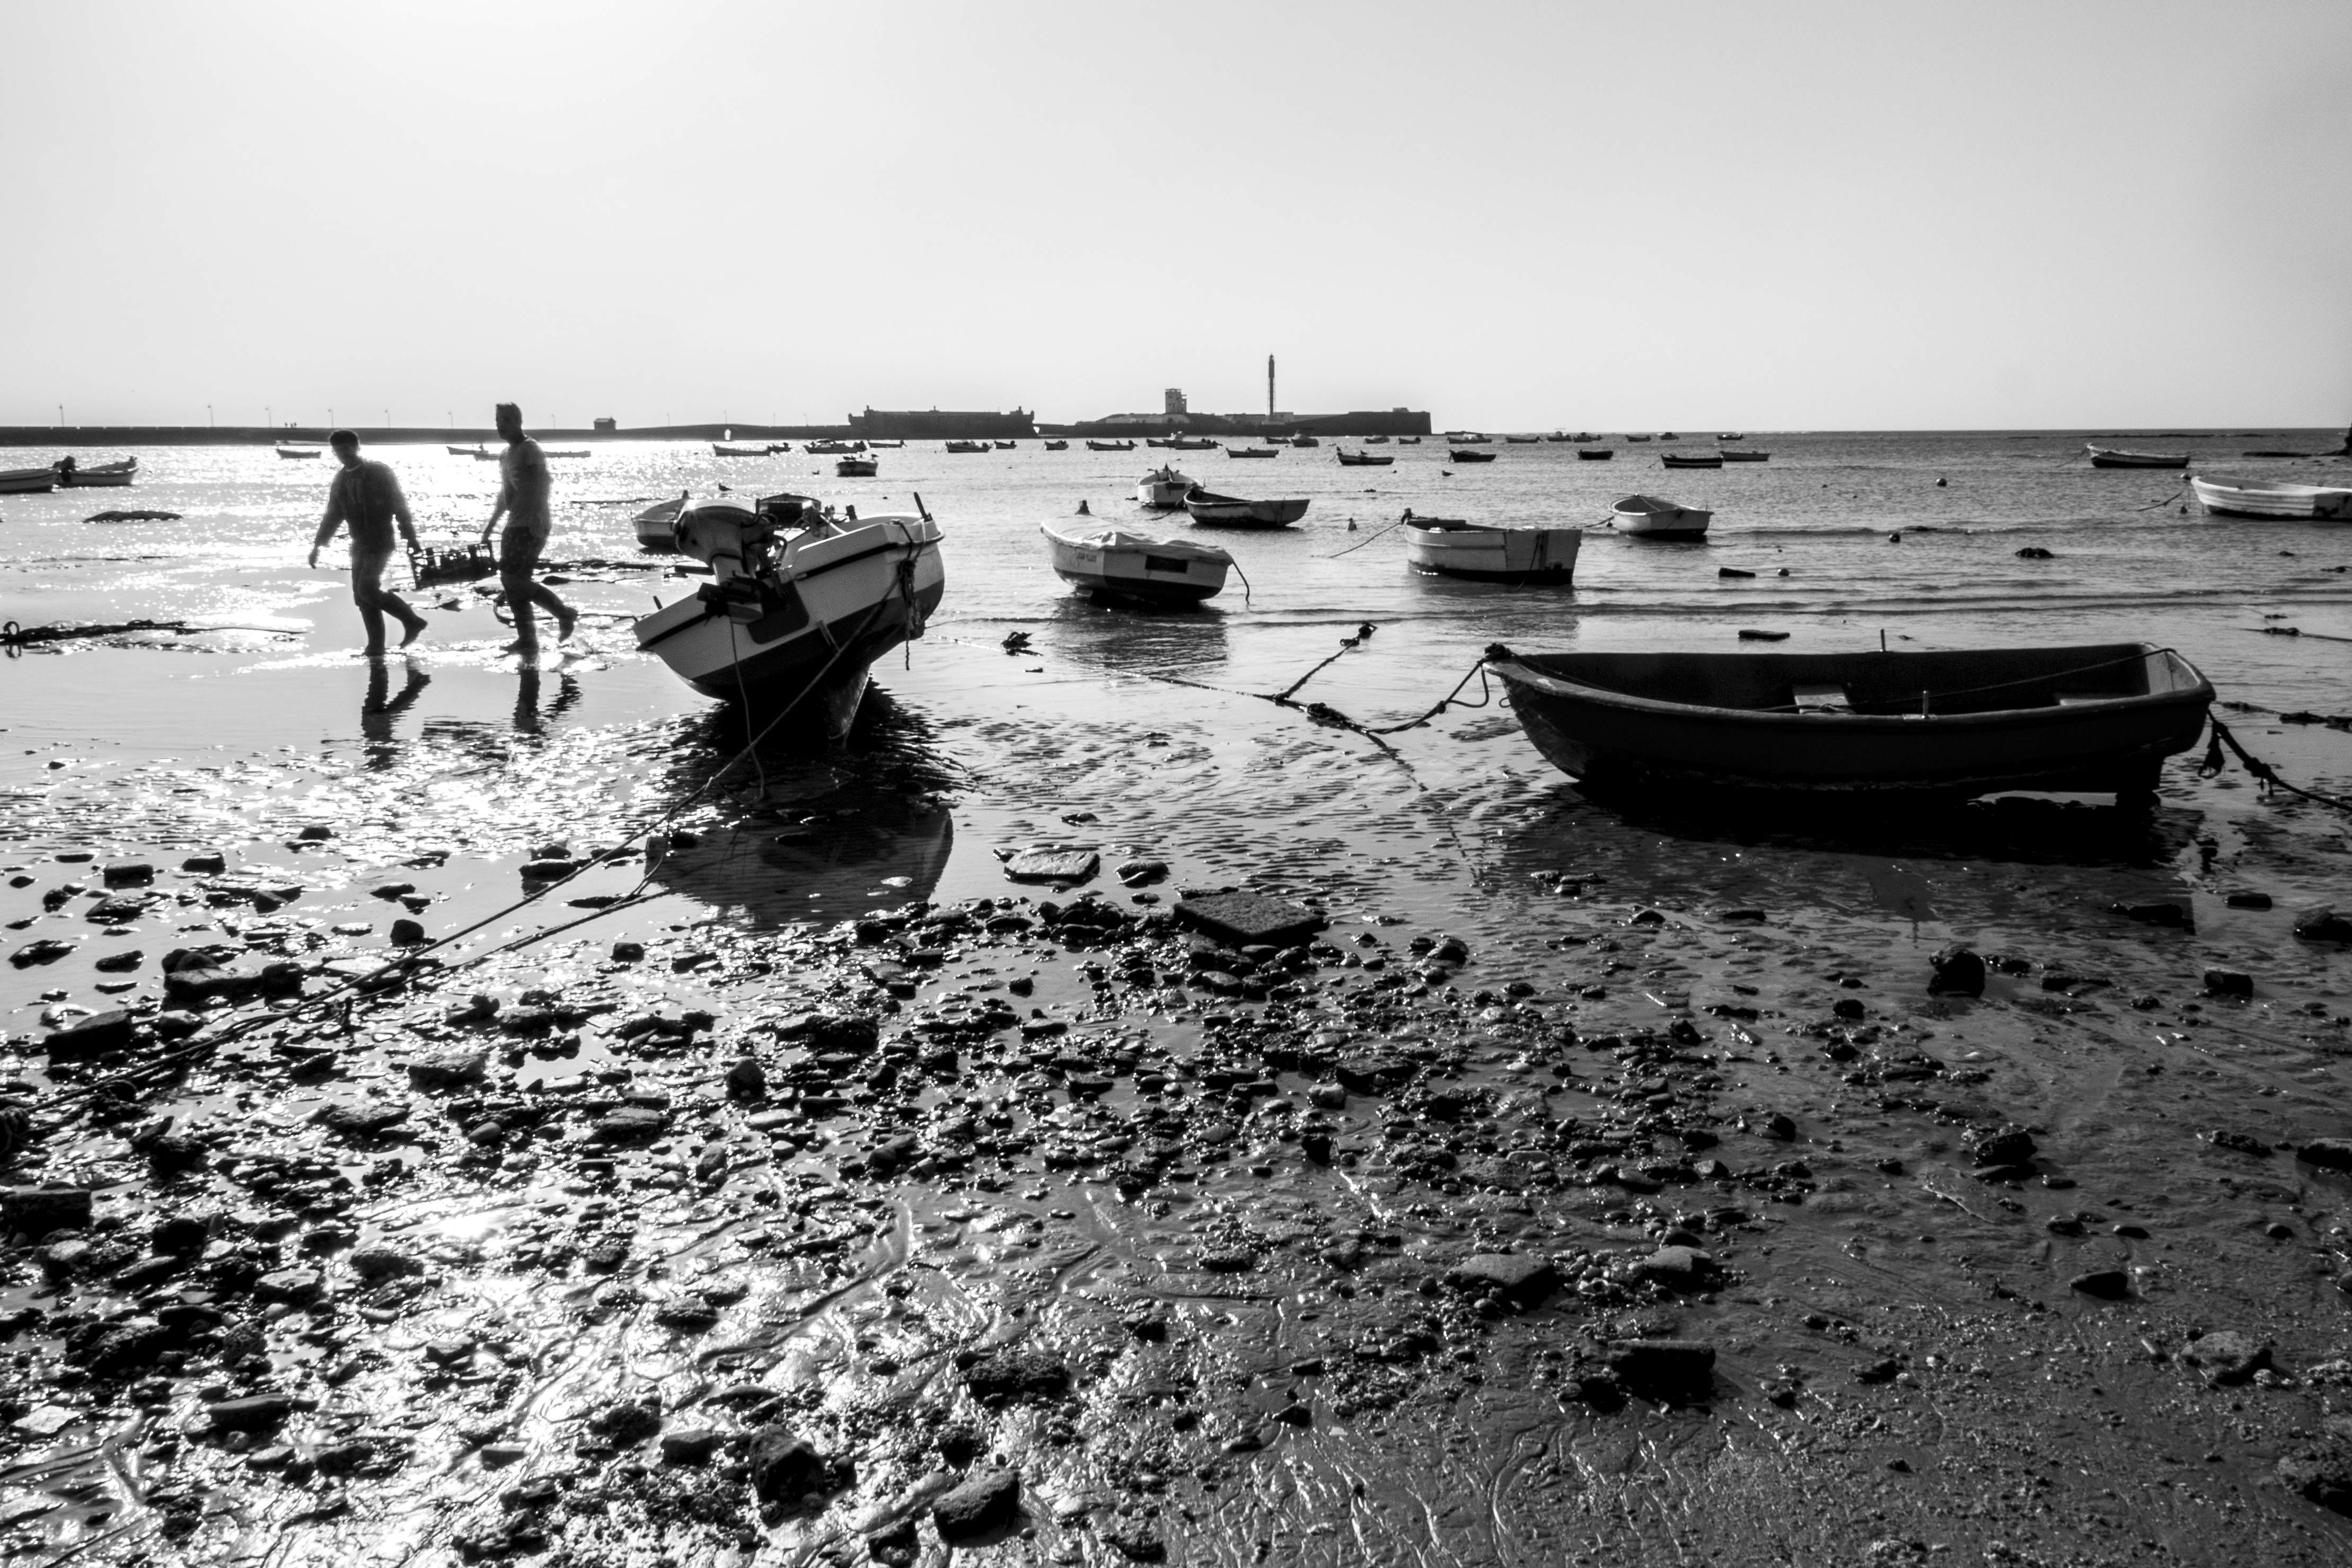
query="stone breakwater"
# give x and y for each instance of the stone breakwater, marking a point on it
(1168, 1225)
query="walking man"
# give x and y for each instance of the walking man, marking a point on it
(522, 501)
(366, 498)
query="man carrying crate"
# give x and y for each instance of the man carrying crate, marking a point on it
(366, 498)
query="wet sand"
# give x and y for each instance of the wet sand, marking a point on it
(1598, 1185)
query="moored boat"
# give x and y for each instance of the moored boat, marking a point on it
(1232, 512)
(286, 451)
(2235, 497)
(27, 481)
(1521, 440)
(1637, 438)
(2118, 457)
(1115, 564)
(1464, 455)
(832, 445)
(1376, 440)
(854, 467)
(1690, 460)
(653, 527)
(1655, 517)
(1468, 439)
(970, 446)
(800, 605)
(1006, 446)
(1163, 489)
(1745, 457)
(1408, 440)
(1057, 446)
(1189, 443)
(2096, 717)
(1730, 436)
(1091, 447)
(1363, 459)
(1304, 441)
(1252, 451)
(1595, 454)
(720, 450)
(1453, 548)
(73, 475)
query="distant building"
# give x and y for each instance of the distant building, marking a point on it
(936, 423)
(1363, 422)
(608, 423)
(1174, 399)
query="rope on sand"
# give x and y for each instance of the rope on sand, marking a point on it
(2263, 773)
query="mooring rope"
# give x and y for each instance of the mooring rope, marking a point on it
(2263, 773)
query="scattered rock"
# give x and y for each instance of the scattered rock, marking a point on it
(2227, 1357)
(359, 1117)
(1524, 1279)
(448, 1069)
(2323, 924)
(2327, 1154)
(1053, 865)
(689, 1446)
(1017, 1372)
(1678, 1268)
(96, 1035)
(1249, 920)
(787, 1472)
(1957, 970)
(984, 1501)
(2107, 1284)
(2229, 983)
(2153, 914)
(2324, 1478)
(2006, 1144)
(37, 1211)
(1673, 1371)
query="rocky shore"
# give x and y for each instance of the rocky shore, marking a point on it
(1112, 1218)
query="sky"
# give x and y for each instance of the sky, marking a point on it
(1794, 215)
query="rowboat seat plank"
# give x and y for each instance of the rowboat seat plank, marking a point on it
(1820, 697)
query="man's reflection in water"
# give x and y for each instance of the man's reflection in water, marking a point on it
(380, 707)
(528, 718)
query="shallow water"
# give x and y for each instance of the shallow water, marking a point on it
(1133, 732)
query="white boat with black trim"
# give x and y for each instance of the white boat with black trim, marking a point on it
(800, 605)
(2271, 498)
(1450, 547)
(1114, 563)
(1163, 489)
(1655, 517)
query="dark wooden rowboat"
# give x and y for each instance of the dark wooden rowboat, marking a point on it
(1461, 455)
(1674, 460)
(2118, 457)
(2095, 717)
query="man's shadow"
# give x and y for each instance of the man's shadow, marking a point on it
(378, 708)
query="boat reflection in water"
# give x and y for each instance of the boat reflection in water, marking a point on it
(832, 834)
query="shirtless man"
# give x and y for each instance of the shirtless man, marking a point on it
(366, 499)
(522, 501)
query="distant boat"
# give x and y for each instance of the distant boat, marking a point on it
(1521, 440)
(299, 451)
(2115, 458)
(1189, 443)
(1584, 437)
(2272, 498)
(1452, 548)
(1745, 457)
(97, 475)
(1408, 440)
(1637, 438)
(877, 445)
(1252, 451)
(1693, 460)
(1595, 454)
(1157, 440)
(27, 481)
(1731, 435)
(1304, 441)
(1116, 564)
(1563, 437)
(1668, 436)
(1163, 489)
(653, 526)
(778, 449)
(474, 451)
(1883, 725)
(830, 446)
(1461, 455)
(1363, 459)
(1050, 446)
(853, 467)
(1468, 439)
(1653, 517)
(1006, 446)
(1091, 447)
(720, 450)
(1376, 440)
(969, 447)
(1232, 512)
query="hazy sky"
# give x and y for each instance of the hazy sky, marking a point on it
(1769, 215)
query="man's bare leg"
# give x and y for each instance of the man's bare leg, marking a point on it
(520, 593)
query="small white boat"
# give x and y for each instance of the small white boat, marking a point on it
(299, 451)
(1452, 548)
(1114, 563)
(800, 605)
(1163, 489)
(464, 451)
(1232, 512)
(653, 527)
(720, 450)
(856, 468)
(121, 472)
(27, 481)
(2272, 498)
(1653, 517)
(2116, 458)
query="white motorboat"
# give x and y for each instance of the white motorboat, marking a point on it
(1163, 489)
(2271, 498)
(27, 481)
(800, 605)
(856, 468)
(285, 451)
(122, 471)
(653, 526)
(1112, 563)
(1655, 517)
(1232, 512)
(1452, 548)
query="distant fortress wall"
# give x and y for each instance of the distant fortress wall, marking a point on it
(942, 424)
(110, 436)
(1362, 422)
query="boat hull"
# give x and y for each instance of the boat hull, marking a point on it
(106, 476)
(2096, 718)
(852, 599)
(28, 483)
(1495, 554)
(1143, 571)
(2107, 457)
(1225, 511)
(2272, 498)
(1677, 522)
